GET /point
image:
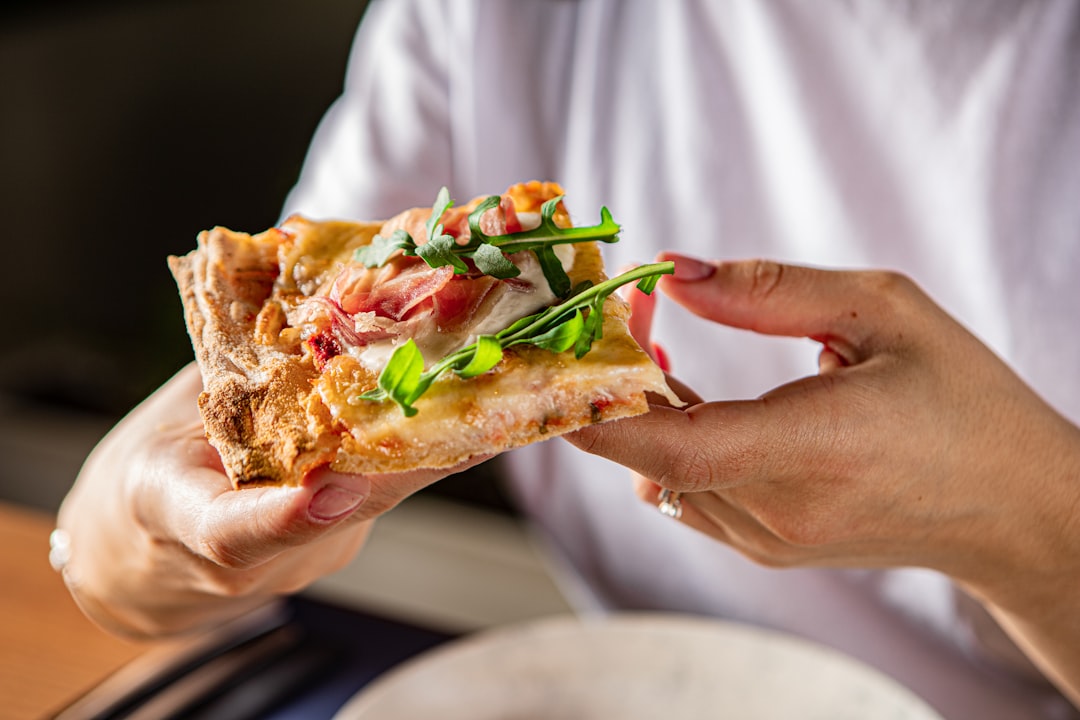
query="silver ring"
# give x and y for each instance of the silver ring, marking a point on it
(670, 503)
(59, 549)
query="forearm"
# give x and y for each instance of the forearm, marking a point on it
(1050, 637)
(1031, 580)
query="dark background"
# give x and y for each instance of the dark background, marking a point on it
(126, 128)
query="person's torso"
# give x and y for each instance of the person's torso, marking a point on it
(939, 139)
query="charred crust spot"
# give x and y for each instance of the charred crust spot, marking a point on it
(255, 481)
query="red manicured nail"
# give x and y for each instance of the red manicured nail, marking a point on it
(689, 269)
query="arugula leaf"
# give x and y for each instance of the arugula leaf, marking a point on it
(575, 323)
(560, 337)
(553, 270)
(440, 251)
(442, 204)
(548, 233)
(401, 378)
(382, 249)
(491, 261)
(489, 252)
(487, 354)
(593, 329)
(648, 284)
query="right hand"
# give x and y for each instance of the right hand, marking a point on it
(161, 543)
(913, 446)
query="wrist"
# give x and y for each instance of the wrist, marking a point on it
(1026, 553)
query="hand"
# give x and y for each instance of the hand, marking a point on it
(913, 445)
(161, 543)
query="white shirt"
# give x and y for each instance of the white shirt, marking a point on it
(934, 137)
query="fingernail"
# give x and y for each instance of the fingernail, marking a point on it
(332, 502)
(689, 269)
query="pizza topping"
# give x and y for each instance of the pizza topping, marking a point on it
(323, 316)
(392, 291)
(458, 303)
(573, 324)
(323, 346)
(483, 278)
(501, 219)
(444, 244)
(434, 304)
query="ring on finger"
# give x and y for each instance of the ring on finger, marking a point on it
(670, 503)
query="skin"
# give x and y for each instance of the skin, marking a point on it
(914, 445)
(162, 545)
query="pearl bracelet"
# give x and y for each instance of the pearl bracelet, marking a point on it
(59, 549)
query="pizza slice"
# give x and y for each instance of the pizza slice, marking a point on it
(442, 334)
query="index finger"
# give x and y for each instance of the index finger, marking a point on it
(848, 309)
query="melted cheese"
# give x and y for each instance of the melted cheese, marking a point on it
(533, 394)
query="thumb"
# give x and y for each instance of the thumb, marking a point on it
(704, 447)
(246, 528)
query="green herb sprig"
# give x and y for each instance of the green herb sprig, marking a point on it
(575, 323)
(489, 252)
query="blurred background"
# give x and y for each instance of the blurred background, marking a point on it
(126, 128)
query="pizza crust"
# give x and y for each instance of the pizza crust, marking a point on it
(274, 416)
(254, 403)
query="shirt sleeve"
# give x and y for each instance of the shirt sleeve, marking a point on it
(385, 142)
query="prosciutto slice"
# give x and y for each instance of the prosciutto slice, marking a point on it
(392, 291)
(456, 304)
(407, 297)
(332, 330)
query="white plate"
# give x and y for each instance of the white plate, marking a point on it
(630, 667)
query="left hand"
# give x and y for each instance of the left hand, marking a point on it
(161, 543)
